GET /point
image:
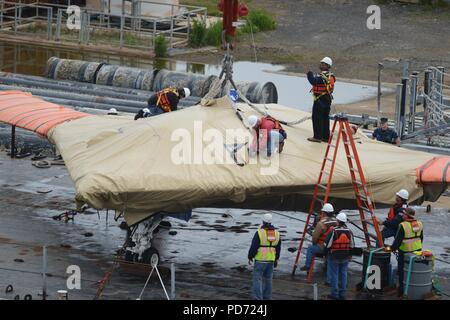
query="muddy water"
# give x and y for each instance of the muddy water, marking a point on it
(292, 91)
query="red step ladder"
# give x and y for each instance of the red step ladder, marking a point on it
(341, 131)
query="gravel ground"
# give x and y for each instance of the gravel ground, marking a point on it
(310, 29)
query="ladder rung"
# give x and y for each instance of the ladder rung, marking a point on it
(366, 209)
(325, 172)
(329, 159)
(320, 200)
(332, 145)
(322, 186)
(358, 182)
(350, 156)
(354, 170)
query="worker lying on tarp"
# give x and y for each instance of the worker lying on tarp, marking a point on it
(268, 135)
(163, 101)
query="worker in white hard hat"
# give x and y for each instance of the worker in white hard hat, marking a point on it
(408, 239)
(163, 101)
(319, 235)
(338, 248)
(268, 135)
(112, 112)
(395, 215)
(265, 251)
(322, 90)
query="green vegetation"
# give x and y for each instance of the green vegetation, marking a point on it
(201, 35)
(161, 46)
(259, 20)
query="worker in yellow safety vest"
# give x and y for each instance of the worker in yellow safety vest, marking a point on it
(265, 250)
(408, 239)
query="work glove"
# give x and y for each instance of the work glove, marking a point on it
(250, 262)
(387, 249)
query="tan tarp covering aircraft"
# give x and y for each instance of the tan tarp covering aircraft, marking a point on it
(118, 163)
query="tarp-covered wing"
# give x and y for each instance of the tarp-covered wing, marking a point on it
(135, 166)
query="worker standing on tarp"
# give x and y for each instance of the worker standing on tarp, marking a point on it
(323, 87)
(163, 101)
(268, 135)
(394, 217)
(265, 250)
(408, 239)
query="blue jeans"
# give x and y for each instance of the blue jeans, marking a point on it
(262, 280)
(312, 250)
(154, 110)
(337, 273)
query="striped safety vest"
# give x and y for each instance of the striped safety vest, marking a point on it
(268, 240)
(413, 231)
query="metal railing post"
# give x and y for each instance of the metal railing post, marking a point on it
(122, 22)
(15, 19)
(171, 26)
(398, 107)
(2, 5)
(403, 107)
(49, 23)
(380, 67)
(58, 25)
(440, 84)
(426, 91)
(413, 102)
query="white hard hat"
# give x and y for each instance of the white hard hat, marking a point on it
(327, 60)
(404, 194)
(327, 207)
(146, 110)
(267, 218)
(112, 111)
(342, 217)
(252, 120)
(187, 92)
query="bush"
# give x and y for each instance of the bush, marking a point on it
(214, 34)
(260, 20)
(160, 46)
(205, 36)
(197, 35)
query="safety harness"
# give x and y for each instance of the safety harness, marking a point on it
(327, 87)
(163, 100)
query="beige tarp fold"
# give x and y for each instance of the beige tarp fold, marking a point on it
(127, 165)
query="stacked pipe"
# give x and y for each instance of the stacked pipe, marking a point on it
(151, 80)
(84, 95)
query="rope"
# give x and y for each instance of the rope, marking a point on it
(226, 75)
(439, 71)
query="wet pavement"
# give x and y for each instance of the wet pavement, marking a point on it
(209, 252)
